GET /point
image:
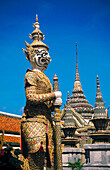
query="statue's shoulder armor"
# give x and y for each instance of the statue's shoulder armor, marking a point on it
(31, 78)
(34, 78)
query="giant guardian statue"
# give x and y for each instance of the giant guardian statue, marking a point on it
(37, 127)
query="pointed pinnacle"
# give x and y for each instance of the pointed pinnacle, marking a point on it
(68, 95)
(55, 83)
(68, 100)
(36, 18)
(36, 24)
(76, 48)
(98, 94)
(55, 78)
(98, 85)
(98, 81)
(77, 73)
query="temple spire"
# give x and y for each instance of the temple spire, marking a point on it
(77, 73)
(78, 100)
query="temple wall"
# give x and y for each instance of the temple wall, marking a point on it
(71, 155)
(97, 157)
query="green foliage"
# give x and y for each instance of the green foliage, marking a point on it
(77, 165)
(72, 165)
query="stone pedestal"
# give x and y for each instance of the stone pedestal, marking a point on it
(97, 157)
(71, 155)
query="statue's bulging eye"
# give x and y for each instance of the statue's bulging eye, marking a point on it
(43, 60)
(45, 53)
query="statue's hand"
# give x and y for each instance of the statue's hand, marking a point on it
(58, 94)
(58, 100)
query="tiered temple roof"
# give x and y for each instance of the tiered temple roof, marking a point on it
(69, 113)
(10, 124)
(78, 100)
(69, 121)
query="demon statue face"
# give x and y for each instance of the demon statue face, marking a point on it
(39, 58)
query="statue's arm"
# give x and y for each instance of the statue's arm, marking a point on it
(33, 95)
(33, 90)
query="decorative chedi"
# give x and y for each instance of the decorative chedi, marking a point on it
(78, 101)
(100, 119)
(69, 127)
(36, 124)
(97, 154)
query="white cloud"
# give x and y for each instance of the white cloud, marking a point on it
(21, 110)
(4, 108)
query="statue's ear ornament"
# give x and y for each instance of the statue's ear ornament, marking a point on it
(29, 52)
(26, 54)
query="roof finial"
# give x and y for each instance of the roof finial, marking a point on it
(36, 18)
(77, 73)
(98, 86)
(55, 83)
(68, 99)
(76, 52)
(36, 24)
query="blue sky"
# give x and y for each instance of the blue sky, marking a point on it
(63, 23)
